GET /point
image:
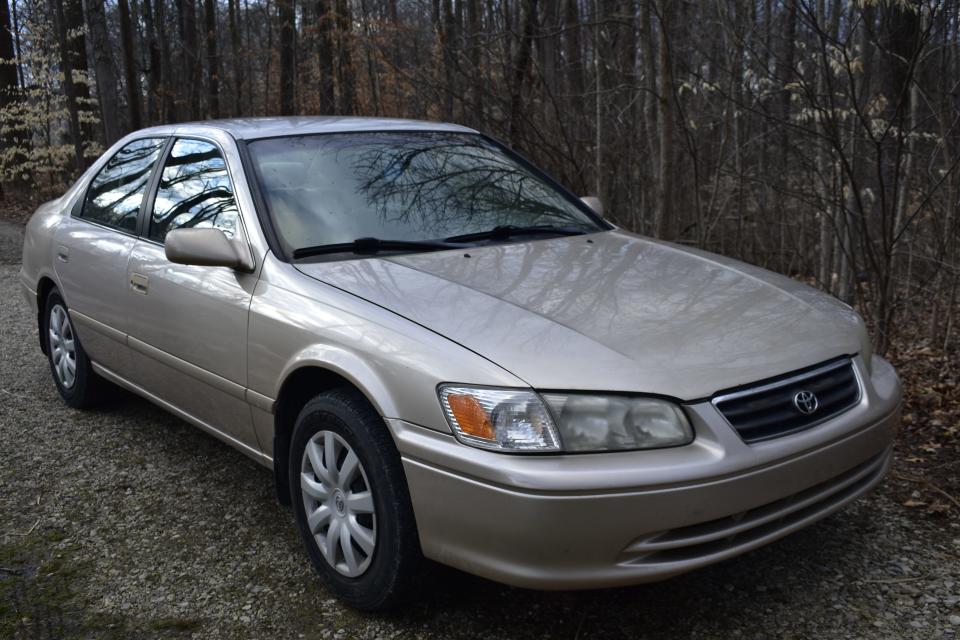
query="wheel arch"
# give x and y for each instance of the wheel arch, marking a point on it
(299, 386)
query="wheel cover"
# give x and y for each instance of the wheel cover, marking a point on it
(338, 503)
(63, 346)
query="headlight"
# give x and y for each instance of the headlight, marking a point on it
(518, 420)
(611, 423)
(504, 419)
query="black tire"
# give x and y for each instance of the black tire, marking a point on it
(396, 562)
(86, 388)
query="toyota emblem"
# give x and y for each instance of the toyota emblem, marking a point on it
(806, 402)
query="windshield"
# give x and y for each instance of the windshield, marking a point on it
(412, 186)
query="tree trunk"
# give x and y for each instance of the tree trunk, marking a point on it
(190, 55)
(69, 89)
(130, 72)
(599, 63)
(104, 71)
(902, 42)
(856, 180)
(345, 78)
(547, 44)
(326, 23)
(16, 43)
(9, 90)
(269, 73)
(168, 106)
(288, 23)
(77, 48)
(448, 37)
(154, 65)
(650, 112)
(372, 76)
(828, 221)
(667, 223)
(235, 58)
(784, 74)
(474, 27)
(213, 59)
(520, 68)
(574, 49)
(8, 58)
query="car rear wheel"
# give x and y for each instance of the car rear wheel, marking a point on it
(351, 502)
(78, 385)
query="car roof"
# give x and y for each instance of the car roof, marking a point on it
(253, 128)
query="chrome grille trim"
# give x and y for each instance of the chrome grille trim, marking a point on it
(775, 416)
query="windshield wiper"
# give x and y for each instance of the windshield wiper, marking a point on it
(503, 232)
(370, 246)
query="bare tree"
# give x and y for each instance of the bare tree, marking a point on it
(288, 24)
(213, 59)
(236, 53)
(189, 59)
(326, 24)
(521, 67)
(69, 88)
(9, 87)
(130, 72)
(345, 76)
(104, 71)
(8, 69)
(154, 70)
(667, 225)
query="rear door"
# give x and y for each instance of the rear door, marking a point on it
(93, 246)
(188, 324)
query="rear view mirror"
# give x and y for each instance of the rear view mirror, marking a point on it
(207, 248)
(594, 203)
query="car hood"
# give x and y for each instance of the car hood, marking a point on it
(609, 311)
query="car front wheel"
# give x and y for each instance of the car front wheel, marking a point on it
(351, 502)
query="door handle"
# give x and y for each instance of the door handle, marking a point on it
(63, 253)
(139, 283)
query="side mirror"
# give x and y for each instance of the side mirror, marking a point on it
(207, 248)
(594, 203)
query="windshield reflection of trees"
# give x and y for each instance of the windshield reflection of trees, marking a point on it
(442, 184)
(194, 191)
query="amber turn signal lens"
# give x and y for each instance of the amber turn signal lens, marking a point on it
(471, 417)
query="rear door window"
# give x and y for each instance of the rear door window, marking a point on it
(116, 192)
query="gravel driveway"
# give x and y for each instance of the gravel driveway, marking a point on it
(125, 521)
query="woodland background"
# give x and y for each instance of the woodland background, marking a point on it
(818, 138)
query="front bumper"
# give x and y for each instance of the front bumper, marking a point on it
(601, 520)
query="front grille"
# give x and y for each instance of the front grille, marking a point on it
(773, 408)
(719, 536)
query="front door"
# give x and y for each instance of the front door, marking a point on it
(188, 324)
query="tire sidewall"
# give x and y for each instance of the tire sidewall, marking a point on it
(76, 395)
(378, 582)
